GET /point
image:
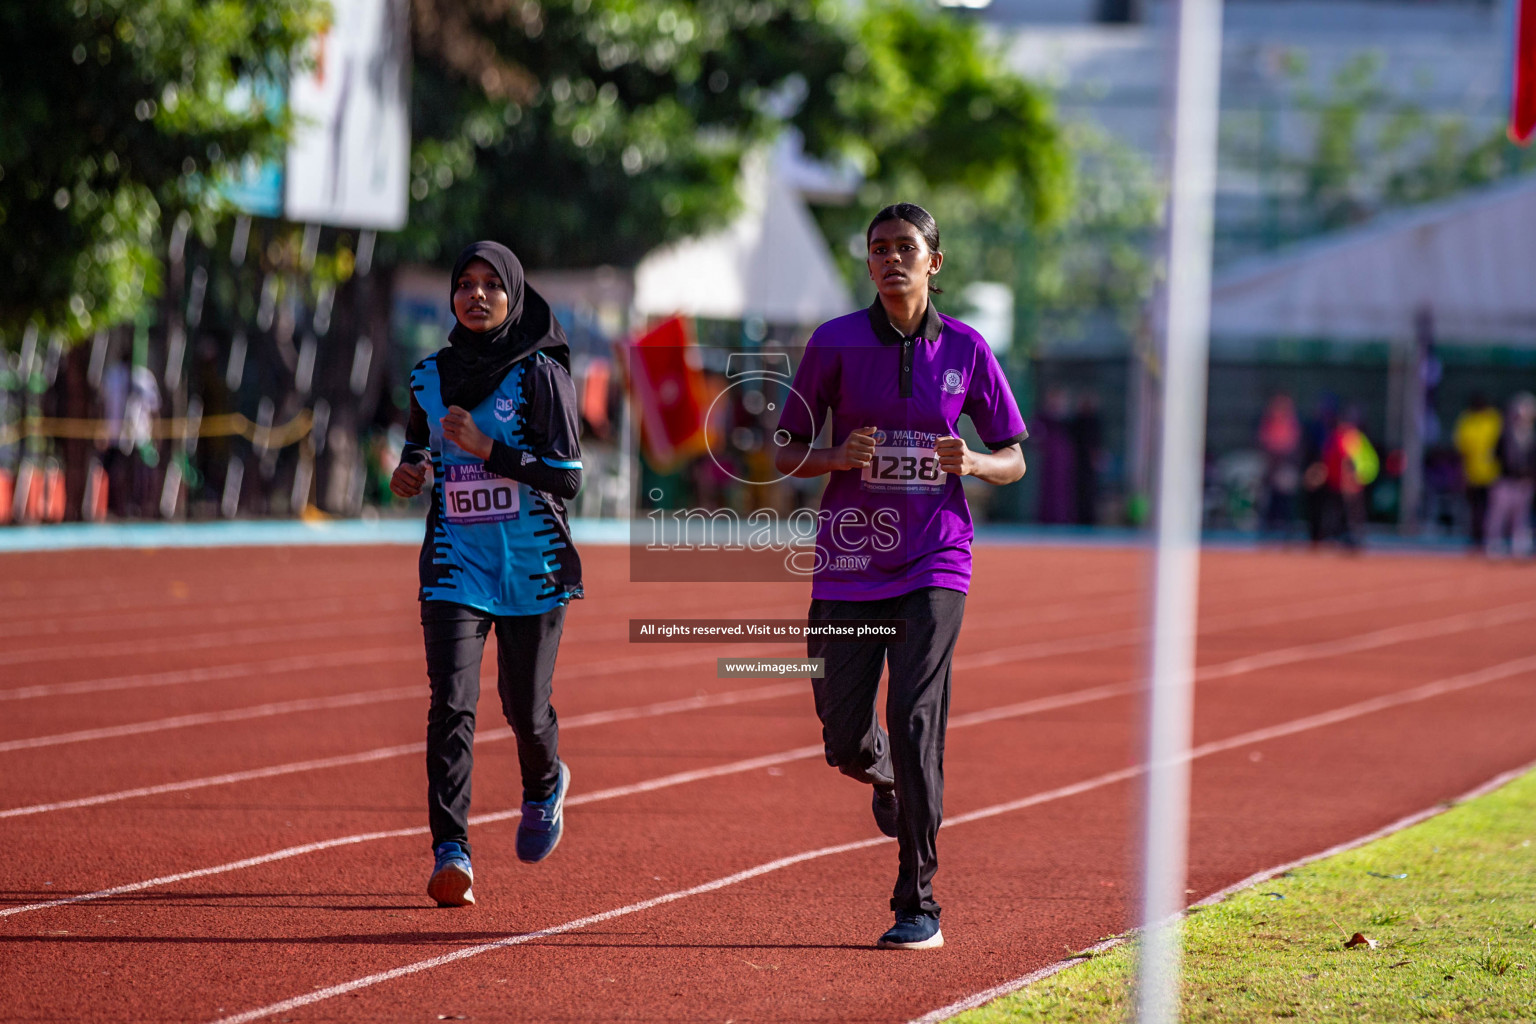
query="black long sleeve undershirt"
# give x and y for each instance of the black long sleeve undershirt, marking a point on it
(507, 461)
(504, 460)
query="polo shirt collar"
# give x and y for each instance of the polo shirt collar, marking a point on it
(928, 330)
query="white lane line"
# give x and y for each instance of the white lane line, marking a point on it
(243, 613)
(344, 700)
(1424, 692)
(1209, 624)
(631, 789)
(718, 700)
(985, 996)
(42, 611)
(1038, 649)
(337, 628)
(287, 707)
(230, 778)
(1239, 666)
(559, 929)
(213, 673)
(978, 999)
(1419, 693)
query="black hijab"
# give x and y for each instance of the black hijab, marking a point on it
(474, 363)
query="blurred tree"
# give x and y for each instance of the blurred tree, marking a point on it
(1063, 216)
(1369, 151)
(117, 113)
(1094, 258)
(591, 131)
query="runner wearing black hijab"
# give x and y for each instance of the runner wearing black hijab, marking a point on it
(494, 420)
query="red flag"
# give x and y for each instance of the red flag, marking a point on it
(668, 386)
(1522, 105)
(594, 396)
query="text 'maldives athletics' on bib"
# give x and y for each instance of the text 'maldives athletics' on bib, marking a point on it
(473, 494)
(901, 523)
(493, 543)
(903, 460)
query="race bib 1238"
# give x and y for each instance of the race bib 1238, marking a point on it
(904, 460)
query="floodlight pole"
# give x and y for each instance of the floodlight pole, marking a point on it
(1176, 569)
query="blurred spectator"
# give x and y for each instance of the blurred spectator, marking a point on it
(1058, 458)
(1314, 438)
(1476, 434)
(1509, 500)
(1087, 450)
(1280, 440)
(1348, 465)
(131, 400)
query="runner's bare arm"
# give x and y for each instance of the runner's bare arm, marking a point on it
(1000, 467)
(798, 458)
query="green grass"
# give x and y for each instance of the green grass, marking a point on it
(1456, 936)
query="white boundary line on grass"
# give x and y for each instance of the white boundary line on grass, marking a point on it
(982, 998)
(1426, 691)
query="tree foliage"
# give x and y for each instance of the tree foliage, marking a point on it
(1371, 150)
(581, 131)
(1062, 215)
(590, 131)
(118, 115)
(1094, 257)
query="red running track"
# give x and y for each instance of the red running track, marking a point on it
(211, 785)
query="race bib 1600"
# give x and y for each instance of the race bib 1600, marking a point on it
(904, 460)
(473, 494)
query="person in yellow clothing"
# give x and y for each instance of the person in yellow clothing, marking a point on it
(1476, 437)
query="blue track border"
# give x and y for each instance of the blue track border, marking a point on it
(409, 530)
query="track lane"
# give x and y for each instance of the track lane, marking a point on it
(1482, 618)
(666, 740)
(869, 991)
(815, 778)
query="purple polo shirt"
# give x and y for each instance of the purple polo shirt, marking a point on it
(900, 523)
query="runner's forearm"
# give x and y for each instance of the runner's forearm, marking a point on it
(797, 458)
(506, 461)
(999, 467)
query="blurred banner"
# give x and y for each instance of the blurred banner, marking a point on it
(258, 188)
(349, 162)
(1522, 106)
(668, 387)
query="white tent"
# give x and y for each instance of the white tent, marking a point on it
(1470, 262)
(771, 262)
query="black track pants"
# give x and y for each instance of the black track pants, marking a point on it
(525, 653)
(916, 711)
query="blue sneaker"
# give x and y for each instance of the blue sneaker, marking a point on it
(452, 877)
(913, 931)
(543, 822)
(885, 808)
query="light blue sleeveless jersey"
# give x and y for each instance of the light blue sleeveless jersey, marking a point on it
(493, 543)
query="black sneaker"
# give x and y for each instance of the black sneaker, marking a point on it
(913, 931)
(885, 809)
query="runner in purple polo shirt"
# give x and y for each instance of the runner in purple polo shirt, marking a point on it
(894, 540)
